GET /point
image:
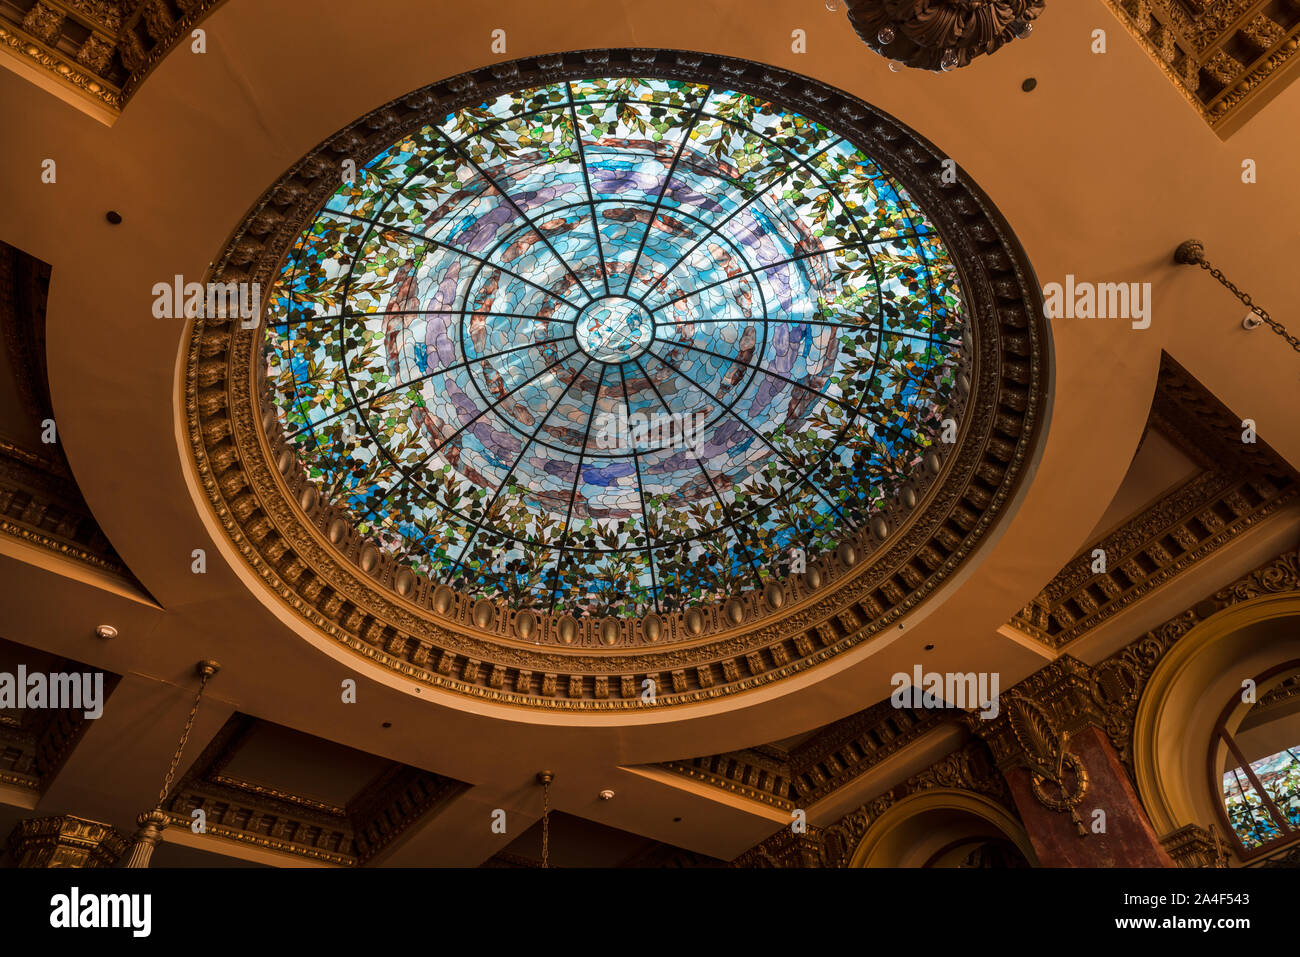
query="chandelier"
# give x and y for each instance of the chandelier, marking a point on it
(941, 34)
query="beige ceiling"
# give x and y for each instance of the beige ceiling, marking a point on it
(1102, 171)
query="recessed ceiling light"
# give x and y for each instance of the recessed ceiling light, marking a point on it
(113, 216)
(929, 647)
(607, 795)
(1029, 85)
(105, 632)
(387, 724)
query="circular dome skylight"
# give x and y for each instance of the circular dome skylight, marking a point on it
(689, 378)
(616, 345)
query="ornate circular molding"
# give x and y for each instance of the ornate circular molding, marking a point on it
(308, 554)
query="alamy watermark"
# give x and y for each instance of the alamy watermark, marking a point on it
(949, 690)
(1106, 300)
(213, 300)
(76, 691)
(75, 910)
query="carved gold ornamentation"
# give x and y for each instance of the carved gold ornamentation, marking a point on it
(36, 742)
(1033, 730)
(1048, 752)
(257, 492)
(817, 767)
(1067, 696)
(65, 841)
(1119, 680)
(75, 41)
(278, 820)
(967, 769)
(1239, 486)
(1223, 56)
(1195, 846)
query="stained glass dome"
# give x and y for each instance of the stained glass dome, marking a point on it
(613, 346)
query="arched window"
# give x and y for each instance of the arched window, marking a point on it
(1255, 763)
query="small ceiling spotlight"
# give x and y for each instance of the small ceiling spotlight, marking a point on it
(113, 216)
(607, 795)
(106, 632)
(1030, 84)
(1252, 320)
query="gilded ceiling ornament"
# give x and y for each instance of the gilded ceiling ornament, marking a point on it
(1048, 753)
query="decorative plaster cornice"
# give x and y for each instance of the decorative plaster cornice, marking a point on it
(817, 767)
(1240, 485)
(1118, 681)
(1195, 846)
(102, 49)
(1064, 696)
(38, 742)
(1105, 695)
(1223, 56)
(65, 841)
(967, 769)
(279, 820)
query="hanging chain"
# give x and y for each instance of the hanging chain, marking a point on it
(185, 736)
(1199, 259)
(546, 822)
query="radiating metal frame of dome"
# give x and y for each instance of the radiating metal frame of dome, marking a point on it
(356, 590)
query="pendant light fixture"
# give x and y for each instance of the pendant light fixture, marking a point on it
(941, 34)
(154, 821)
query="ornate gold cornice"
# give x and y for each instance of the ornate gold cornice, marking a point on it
(1195, 846)
(41, 505)
(308, 555)
(1055, 700)
(102, 49)
(817, 767)
(1223, 56)
(1074, 695)
(1064, 696)
(784, 849)
(279, 820)
(1239, 486)
(1118, 681)
(966, 769)
(65, 841)
(37, 742)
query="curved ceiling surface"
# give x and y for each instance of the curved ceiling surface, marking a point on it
(615, 345)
